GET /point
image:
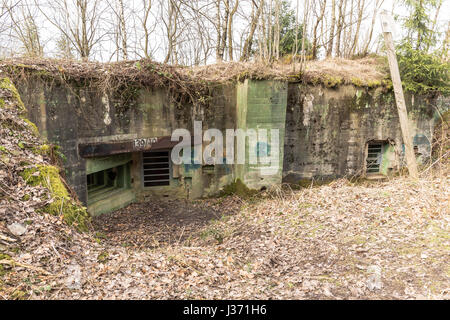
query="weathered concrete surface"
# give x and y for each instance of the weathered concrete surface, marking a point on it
(69, 115)
(323, 132)
(104, 163)
(113, 201)
(327, 130)
(262, 105)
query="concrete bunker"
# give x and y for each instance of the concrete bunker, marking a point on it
(118, 149)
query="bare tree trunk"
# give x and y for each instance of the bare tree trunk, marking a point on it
(222, 29)
(269, 32)
(319, 19)
(172, 29)
(248, 42)
(295, 48)
(378, 4)
(339, 27)
(332, 26)
(361, 7)
(123, 30)
(446, 44)
(147, 4)
(305, 21)
(263, 41)
(79, 24)
(348, 32)
(399, 97)
(230, 30)
(85, 52)
(433, 27)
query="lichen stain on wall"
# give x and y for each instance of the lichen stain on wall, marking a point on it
(107, 118)
(308, 107)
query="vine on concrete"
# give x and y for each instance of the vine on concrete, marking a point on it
(123, 79)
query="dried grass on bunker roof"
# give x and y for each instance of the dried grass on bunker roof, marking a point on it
(366, 70)
(194, 79)
(106, 76)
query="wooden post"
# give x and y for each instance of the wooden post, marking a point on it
(387, 25)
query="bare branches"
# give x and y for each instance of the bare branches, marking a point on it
(78, 20)
(194, 32)
(253, 25)
(25, 28)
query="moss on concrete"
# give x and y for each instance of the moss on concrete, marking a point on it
(48, 177)
(6, 84)
(238, 188)
(373, 84)
(387, 84)
(357, 82)
(361, 100)
(331, 82)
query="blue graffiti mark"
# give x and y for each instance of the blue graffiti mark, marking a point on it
(189, 167)
(262, 149)
(192, 166)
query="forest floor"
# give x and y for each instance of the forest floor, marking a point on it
(384, 240)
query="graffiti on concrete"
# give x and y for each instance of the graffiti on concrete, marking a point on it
(144, 143)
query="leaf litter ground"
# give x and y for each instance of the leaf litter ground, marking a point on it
(388, 240)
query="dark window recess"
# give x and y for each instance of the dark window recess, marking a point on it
(103, 183)
(156, 168)
(374, 156)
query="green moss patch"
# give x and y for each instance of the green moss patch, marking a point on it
(3, 270)
(43, 150)
(357, 82)
(6, 84)
(34, 129)
(331, 82)
(62, 205)
(238, 188)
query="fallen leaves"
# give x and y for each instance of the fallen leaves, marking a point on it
(388, 240)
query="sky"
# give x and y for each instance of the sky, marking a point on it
(49, 33)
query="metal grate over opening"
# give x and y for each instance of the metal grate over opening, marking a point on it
(374, 154)
(156, 168)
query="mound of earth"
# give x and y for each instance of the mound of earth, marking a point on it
(36, 208)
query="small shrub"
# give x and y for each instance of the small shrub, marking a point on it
(423, 73)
